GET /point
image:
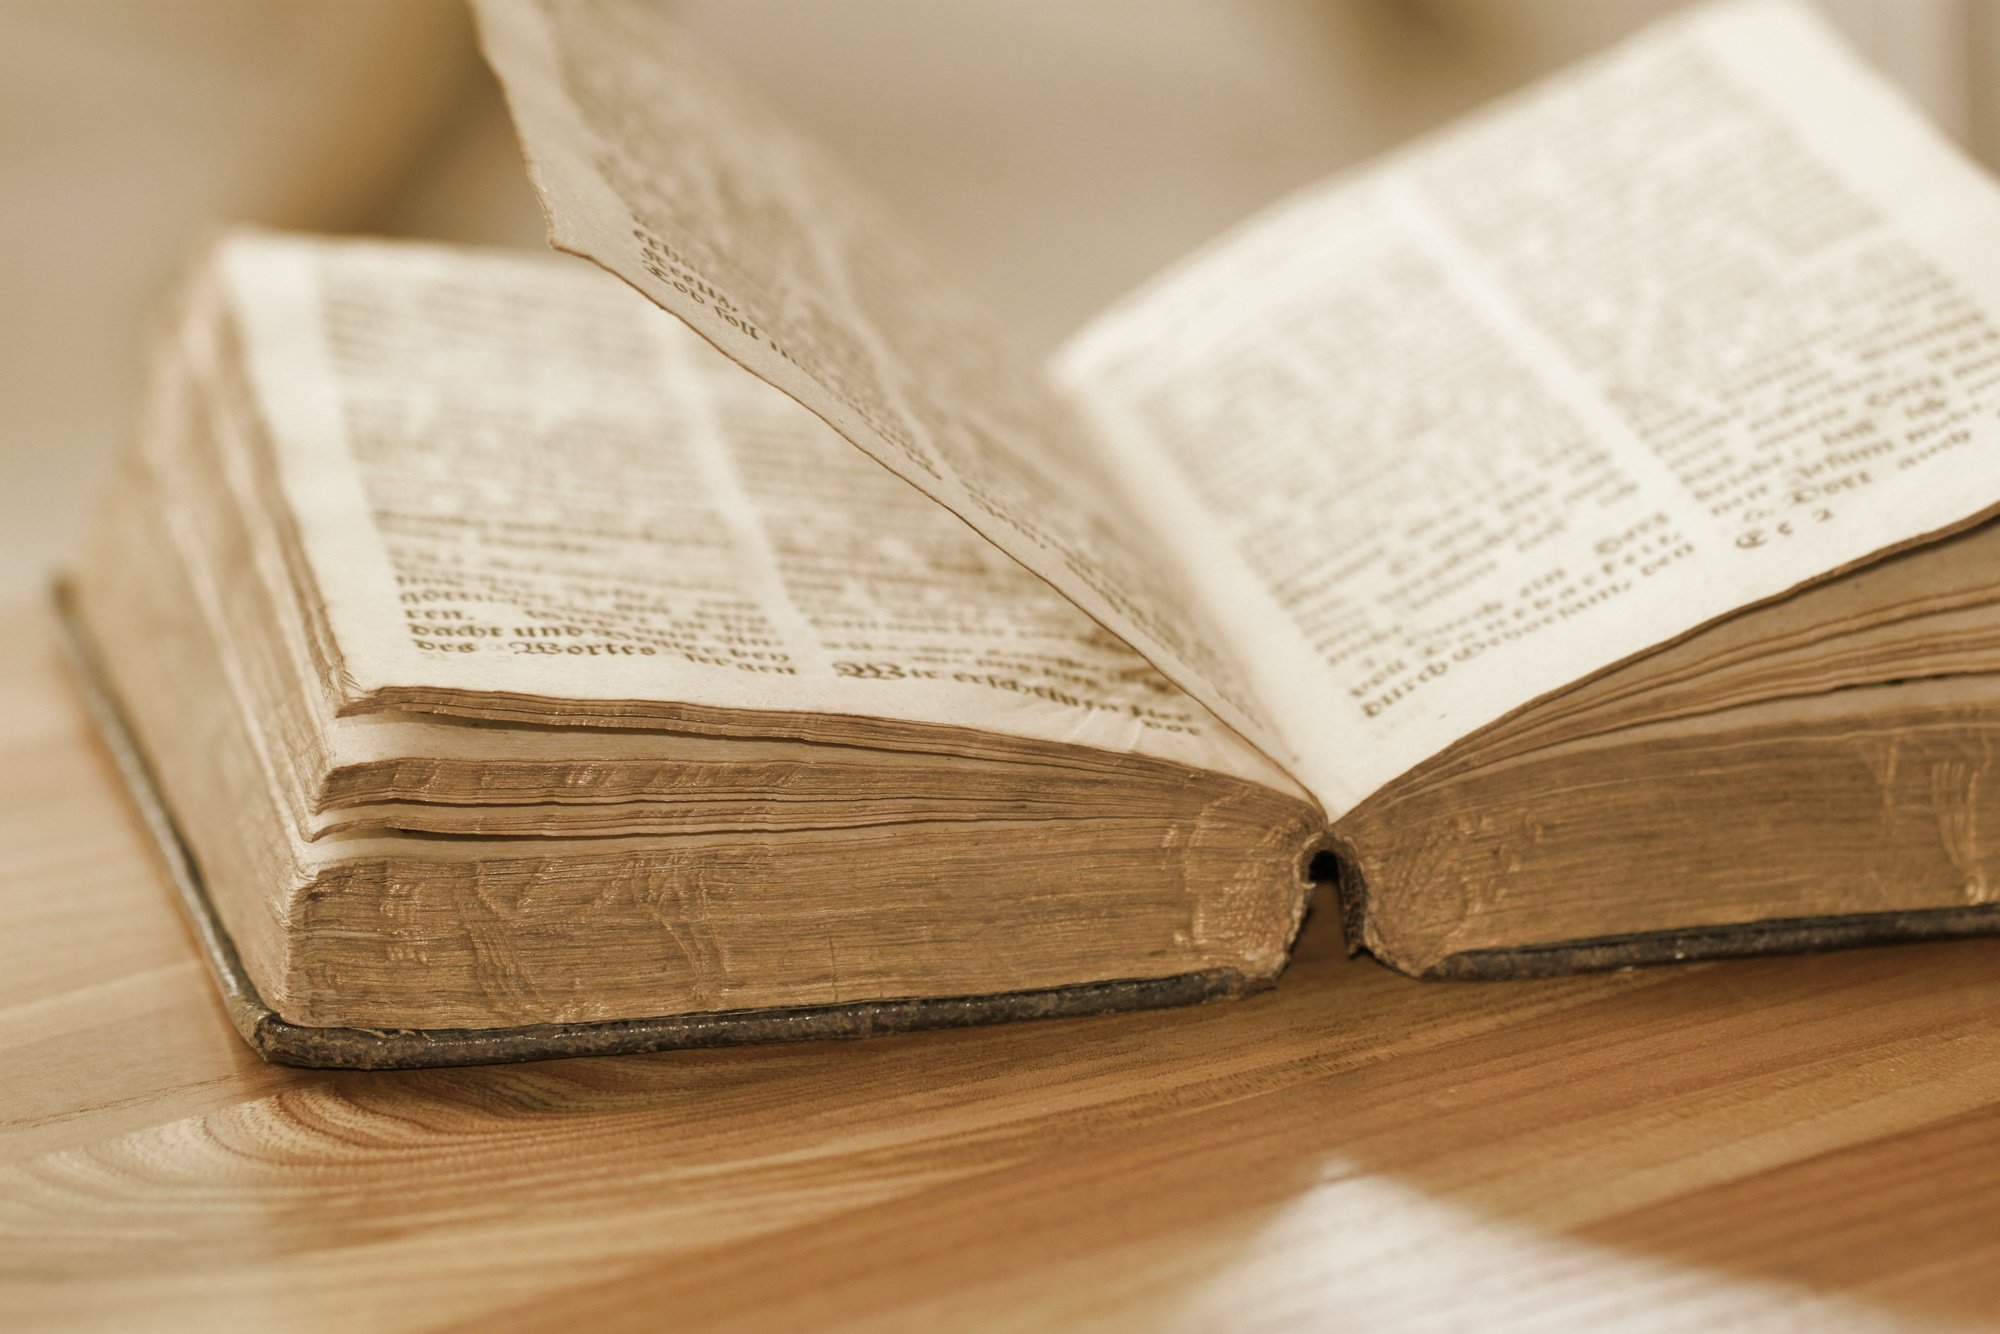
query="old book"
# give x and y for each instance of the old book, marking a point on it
(1563, 540)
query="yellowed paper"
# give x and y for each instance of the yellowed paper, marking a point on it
(513, 475)
(1704, 320)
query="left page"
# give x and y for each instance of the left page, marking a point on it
(592, 504)
(651, 163)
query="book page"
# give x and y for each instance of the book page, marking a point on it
(1705, 319)
(510, 474)
(651, 163)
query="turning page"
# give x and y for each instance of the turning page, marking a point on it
(652, 164)
(1708, 318)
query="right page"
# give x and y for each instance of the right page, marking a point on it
(1705, 319)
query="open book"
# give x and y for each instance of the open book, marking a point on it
(1562, 537)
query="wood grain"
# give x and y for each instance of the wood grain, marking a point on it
(1787, 1143)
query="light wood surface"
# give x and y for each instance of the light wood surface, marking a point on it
(1807, 1143)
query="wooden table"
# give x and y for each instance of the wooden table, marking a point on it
(1808, 1142)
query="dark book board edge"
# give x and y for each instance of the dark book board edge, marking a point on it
(282, 1042)
(1786, 935)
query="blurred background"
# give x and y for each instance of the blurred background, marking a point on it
(1055, 152)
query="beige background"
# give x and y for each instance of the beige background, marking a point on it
(1054, 151)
